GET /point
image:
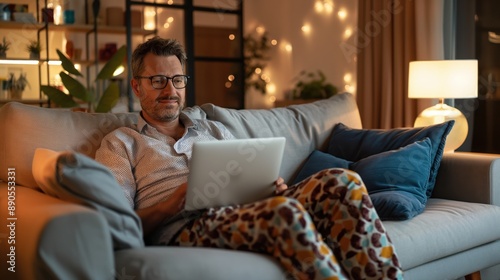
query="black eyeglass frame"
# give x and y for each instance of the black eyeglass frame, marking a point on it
(186, 77)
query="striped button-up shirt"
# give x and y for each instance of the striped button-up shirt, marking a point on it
(150, 165)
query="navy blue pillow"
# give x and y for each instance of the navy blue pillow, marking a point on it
(396, 180)
(355, 144)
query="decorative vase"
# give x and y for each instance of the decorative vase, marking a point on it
(3, 55)
(34, 55)
(16, 94)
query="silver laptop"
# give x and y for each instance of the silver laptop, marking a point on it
(229, 172)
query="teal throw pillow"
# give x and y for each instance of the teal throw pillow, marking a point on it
(355, 144)
(79, 179)
(396, 180)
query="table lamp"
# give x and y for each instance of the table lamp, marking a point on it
(444, 79)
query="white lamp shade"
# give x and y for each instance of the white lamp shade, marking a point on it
(443, 79)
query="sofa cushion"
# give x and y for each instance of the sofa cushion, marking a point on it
(306, 126)
(79, 179)
(445, 228)
(354, 144)
(182, 263)
(396, 180)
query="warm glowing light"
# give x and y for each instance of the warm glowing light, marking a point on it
(228, 84)
(350, 88)
(78, 66)
(306, 28)
(271, 88)
(265, 78)
(19, 62)
(318, 6)
(274, 42)
(347, 33)
(58, 15)
(324, 6)
(288, 47)
(348, 77)
(342, 14)
(230, 78)
(258, 71)
(260, 30)
(272, 98)
(27, 62)
(170, 2)
(231, 37)
(119, 70)
(149, 18)
(166, 25)
(150, 13)
(170, 19)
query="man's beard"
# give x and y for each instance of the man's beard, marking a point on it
(160, 113)
(170, 114)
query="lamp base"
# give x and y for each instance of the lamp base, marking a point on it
(441, 113)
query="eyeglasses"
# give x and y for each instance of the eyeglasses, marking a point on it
(161, 81)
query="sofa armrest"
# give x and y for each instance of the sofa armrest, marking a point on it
(53, 238)
(472, 177)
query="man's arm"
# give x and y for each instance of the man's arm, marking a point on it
(153, 216)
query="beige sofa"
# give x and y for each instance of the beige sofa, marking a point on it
(456, 235)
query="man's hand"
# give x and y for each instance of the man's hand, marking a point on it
(280, 186)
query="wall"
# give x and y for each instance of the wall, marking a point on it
(319, 49)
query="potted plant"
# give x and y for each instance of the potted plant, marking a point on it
(4, 47)
(16, 86)
(313, 85)
(256, 55)
(78, 93)
(34, 48)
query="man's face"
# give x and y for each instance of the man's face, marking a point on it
(160, 105)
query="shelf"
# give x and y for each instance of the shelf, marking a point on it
(73, 28)
(25, 101)
(26, 61)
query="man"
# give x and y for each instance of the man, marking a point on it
(151, 163)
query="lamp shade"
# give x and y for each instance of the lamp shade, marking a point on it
(443, 79)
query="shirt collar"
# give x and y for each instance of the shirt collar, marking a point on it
(142, 124)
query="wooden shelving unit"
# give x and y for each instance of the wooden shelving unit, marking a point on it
(42, 29)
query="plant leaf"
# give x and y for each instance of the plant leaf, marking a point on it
(74, 87)
(109, 98)
(67, 64)
(58, 97)
(114, 62)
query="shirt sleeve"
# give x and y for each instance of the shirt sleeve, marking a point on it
(226, 134)
(113, 154)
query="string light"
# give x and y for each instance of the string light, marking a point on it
(324, 6)
(260, 30)
(347, 33)
(342, 14)
(306, 28)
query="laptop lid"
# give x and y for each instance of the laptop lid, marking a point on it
(228, 172)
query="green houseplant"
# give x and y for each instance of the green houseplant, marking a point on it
(256, 55)
(313, 85)
(4, 47)
(78, 93)
(34, 48)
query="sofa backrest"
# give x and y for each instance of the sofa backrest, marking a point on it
(24, 128)
(306, 126)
